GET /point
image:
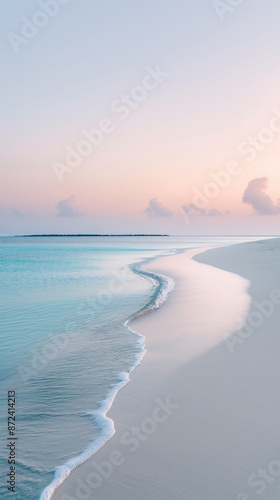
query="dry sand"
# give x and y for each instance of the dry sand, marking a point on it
(200, 419)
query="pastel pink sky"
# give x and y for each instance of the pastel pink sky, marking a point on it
(220, 92)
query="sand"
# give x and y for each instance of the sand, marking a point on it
(200, 419)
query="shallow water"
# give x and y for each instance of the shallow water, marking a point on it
(65, 346)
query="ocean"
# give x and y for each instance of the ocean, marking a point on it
(66, 345)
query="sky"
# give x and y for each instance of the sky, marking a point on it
(140, 117)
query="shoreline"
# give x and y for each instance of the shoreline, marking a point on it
(107, 425)
(85, 482)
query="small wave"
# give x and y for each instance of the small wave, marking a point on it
(163, 286)
(107, 429)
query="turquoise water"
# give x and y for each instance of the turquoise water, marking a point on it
(65, 348)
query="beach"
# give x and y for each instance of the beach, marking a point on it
(199, 419)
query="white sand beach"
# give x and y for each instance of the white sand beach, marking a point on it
(200, 418)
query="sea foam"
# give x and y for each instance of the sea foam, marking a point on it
(163, 285)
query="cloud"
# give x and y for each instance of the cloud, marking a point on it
(67, 208)
(2, 210)
(214, 212)
(5, 211)
(16, 212)
(255, 195)
(194, 209)
(156, 209)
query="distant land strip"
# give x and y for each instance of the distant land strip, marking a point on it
(81, 235)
